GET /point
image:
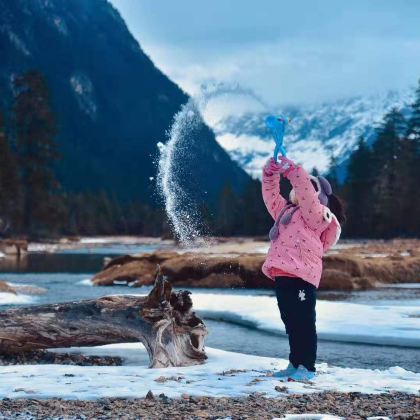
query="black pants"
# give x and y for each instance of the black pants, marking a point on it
(296, 299)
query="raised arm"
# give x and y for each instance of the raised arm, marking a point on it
(271, 189)
(316, 215)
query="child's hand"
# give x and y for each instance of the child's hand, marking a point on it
(271, 167)
(286, 165)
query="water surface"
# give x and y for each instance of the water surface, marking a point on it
(66, 275)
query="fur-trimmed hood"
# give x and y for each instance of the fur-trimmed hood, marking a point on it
(332, 233)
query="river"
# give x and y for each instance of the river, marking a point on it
(65, 275)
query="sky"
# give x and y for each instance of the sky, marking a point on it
(287, 52)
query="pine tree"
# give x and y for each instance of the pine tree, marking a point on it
(333, 174)
(357, 191)
(254, 218)
(9, 185)
(413, 130)
(227, 212)
(35, 130)
(315, 171)
(411, 152)
(387, 165)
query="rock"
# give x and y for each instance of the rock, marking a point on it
(29, 290)
(13, 246)
(6, 288)
(188, 269)
(344, 271)
(333, 279)
(141, 269)
(149, 395)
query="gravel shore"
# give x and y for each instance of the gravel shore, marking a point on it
(47, 357)
(348, 405)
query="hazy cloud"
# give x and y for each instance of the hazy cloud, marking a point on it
(287, 51)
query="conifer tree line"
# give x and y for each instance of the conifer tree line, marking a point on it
(33, 204)
(380, 190)
(382, 183)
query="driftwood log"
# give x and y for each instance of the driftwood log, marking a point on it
(163, 321)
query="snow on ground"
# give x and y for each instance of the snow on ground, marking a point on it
(224, 374)
(400, 285)
(309, 416)
(95, 242)
(12, 299)
(85, 282)
(339, 321)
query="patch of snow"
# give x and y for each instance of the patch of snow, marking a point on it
(339, 321)
(18, 43)
(262, 249)
(400, 285)
(60, 24)
(12, 299)
(37, 247)
(215, 378)
(374, 255)
(85, 282)
(83, 89)
(308, 416)
(97, 240)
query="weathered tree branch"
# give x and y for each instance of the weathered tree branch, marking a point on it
(163, 321)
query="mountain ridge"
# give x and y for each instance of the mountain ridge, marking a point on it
(113, 105)
(316, 134)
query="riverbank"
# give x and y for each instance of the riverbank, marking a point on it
(237, 264)
(229, 384)
(113, 382)
(353, 405)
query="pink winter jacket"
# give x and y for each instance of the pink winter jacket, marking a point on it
(313, 229)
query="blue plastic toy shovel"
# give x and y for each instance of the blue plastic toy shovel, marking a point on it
(277, 126)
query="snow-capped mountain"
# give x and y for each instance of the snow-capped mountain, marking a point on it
(317, 132)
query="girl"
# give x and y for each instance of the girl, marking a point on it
(304, 229)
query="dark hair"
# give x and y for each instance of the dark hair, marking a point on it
(337, 206)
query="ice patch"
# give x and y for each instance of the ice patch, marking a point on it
(12, 299)
(400, 285)
(97, 240)
(262, 249)
(215, 378)
(338, 321)
(85, 282)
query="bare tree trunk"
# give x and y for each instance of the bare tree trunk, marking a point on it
(163, 321)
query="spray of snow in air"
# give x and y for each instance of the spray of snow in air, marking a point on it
(184, 220)
(183, 215)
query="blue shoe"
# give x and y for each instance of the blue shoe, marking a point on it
(301, 374)
(285, 372)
